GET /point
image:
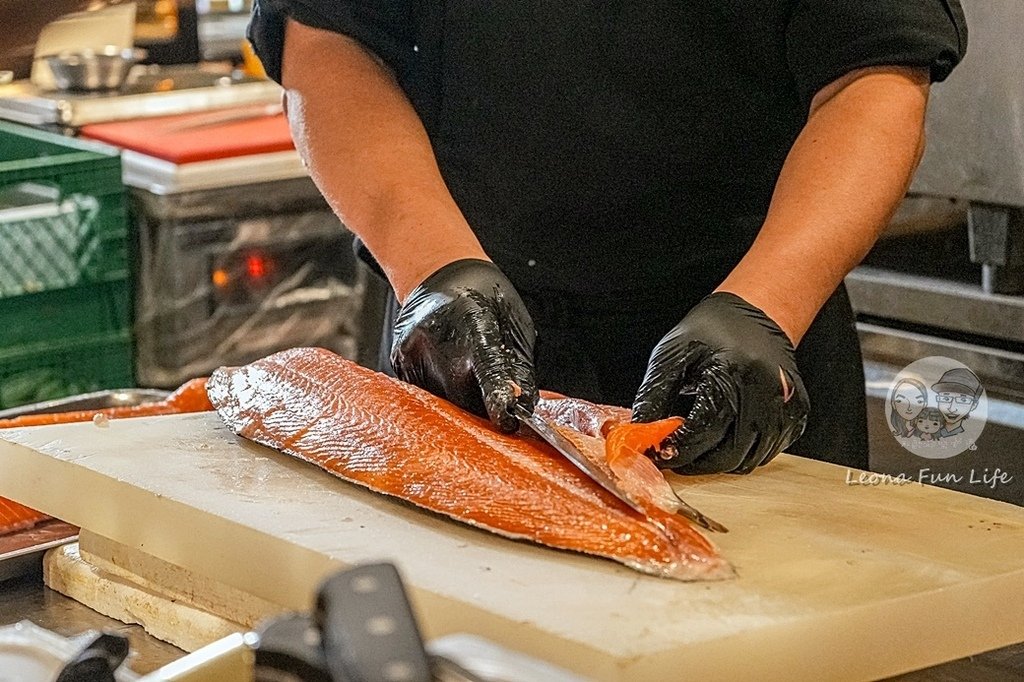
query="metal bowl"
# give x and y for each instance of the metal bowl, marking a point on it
(92, 70)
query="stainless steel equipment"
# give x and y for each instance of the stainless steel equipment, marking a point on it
(150, 91)
(944, 306)
(230, 274)
(948, 278)
(22, 552)
(919, 296)
(997, 244)
(976, 141)
(221, 27)
(99, 400)
(975, 128)
(92, 70)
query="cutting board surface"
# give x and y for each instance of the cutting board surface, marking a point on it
(169, 138)
(836, 581)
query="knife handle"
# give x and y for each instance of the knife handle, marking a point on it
(367, 628)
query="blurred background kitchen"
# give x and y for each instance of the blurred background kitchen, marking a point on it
(156, 222)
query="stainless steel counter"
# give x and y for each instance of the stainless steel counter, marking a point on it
(27, 598)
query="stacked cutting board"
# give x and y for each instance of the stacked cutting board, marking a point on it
(836, 581)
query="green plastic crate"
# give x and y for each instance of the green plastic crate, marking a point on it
(47, 371)
(73, 313)
(63, 216)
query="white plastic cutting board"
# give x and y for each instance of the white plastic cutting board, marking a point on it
(835, 581)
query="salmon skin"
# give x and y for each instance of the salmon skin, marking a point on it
(400, 440)
(190, 397)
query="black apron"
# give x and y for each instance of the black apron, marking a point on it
(608, 154)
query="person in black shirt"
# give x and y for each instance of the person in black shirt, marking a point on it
(648, 204)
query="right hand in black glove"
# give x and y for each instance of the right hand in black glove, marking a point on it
(738, 368)
(464, 334)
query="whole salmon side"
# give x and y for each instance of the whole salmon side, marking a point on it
(397, 439)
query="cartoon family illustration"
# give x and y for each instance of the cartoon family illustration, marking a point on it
(956, 395)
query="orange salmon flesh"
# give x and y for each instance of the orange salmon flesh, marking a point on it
(399, 440)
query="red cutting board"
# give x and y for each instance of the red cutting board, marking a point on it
(165, 139)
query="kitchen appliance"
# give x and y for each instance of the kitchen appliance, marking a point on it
(229, 275)
(948, 277)
(976, 142)
(238, 253)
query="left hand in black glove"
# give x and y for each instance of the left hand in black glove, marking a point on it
(735, 371)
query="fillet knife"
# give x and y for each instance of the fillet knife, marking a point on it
(550, 435)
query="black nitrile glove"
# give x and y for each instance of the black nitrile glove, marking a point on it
(465, 335)
(735, 370)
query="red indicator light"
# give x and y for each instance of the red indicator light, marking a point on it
(256, 266)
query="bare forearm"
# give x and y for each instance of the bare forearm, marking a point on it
(369, 154)
(843, 178)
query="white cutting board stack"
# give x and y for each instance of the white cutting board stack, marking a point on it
(836, 581)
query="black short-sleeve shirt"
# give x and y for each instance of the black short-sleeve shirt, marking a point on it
(595, 145)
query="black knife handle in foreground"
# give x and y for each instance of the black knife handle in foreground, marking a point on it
(96, 662)
(367, 628)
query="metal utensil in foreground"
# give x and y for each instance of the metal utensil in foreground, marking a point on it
(362, 628)
(552, 437)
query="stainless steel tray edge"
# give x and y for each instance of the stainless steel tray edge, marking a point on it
(122, 397)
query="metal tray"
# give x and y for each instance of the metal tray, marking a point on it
(22, 552)
(124, 397)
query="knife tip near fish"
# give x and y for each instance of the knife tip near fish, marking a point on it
(548, 433)
(686, 511)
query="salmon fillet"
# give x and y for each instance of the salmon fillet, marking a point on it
(397, 439)
(190, 397)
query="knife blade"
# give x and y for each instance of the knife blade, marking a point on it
(564, 446)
